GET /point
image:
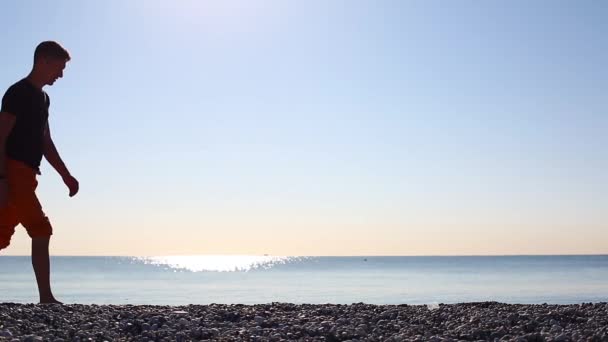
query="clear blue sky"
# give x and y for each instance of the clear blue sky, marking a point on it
(323, 127)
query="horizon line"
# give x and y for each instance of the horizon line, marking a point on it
(316, 256)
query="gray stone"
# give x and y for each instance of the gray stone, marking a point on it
(556, 329)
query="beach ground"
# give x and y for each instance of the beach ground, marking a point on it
(305, 322)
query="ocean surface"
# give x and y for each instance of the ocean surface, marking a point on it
(181, 280)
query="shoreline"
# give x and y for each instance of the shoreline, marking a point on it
(305, 322)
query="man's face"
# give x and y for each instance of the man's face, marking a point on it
(53, 68)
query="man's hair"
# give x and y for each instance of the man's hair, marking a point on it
(51, 49)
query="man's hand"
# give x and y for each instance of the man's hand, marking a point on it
(3, 193)
(72, 184)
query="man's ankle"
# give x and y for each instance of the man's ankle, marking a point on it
(49, 300)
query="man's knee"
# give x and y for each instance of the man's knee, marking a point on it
(4, 242)
(6, 233)
(8, 223)
(38, 229)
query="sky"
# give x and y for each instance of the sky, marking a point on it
(322, 127)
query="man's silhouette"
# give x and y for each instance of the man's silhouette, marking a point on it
(24, 138)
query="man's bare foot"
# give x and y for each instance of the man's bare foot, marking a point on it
(51, 300)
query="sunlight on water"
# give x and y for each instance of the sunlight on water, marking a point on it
(216, 263)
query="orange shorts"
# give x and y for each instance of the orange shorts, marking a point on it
(23, 205)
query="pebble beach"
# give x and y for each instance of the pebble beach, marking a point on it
(486, 321)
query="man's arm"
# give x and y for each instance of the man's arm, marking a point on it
(52, 156)
(7, 122)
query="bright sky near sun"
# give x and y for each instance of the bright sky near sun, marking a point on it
(323, 127)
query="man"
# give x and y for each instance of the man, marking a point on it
(24, 138)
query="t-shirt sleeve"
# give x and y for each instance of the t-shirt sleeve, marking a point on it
(12, 101)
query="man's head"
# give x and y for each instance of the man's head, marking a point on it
(49, 61)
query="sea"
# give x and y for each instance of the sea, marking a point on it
(258, 279)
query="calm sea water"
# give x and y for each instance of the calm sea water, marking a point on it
(264, 279)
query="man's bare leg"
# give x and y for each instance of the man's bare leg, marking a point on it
(42, 269)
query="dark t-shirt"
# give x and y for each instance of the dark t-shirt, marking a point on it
(30, 106)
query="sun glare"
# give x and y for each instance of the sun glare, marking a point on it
(215, 263)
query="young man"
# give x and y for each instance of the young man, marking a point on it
(24, 138)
